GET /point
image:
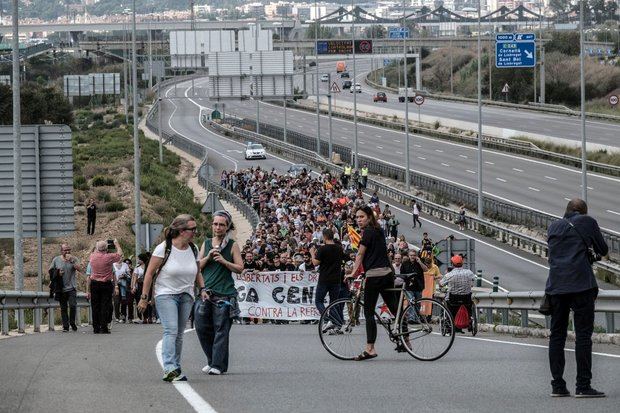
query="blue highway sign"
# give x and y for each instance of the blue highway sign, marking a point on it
(515, 50)
(398, 33)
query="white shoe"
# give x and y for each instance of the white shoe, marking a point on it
(157, 321)
(328, 326)
(214, 372)
(206, 369)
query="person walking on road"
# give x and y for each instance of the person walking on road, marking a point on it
(101, 284)
(373, 257)
(329, 257)
(415, 211)
(137, 282)
(174, 267)
(573, 243)
(214, 311)
(67, 266)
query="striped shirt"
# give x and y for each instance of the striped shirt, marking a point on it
(459, 281)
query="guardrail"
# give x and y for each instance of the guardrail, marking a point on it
(488, 141)
(13, 306)
(494, 209)
(474, 223)
(486, 102)
(522, 303)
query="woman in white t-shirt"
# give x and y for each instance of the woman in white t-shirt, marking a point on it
(174, 289)
(121, 283)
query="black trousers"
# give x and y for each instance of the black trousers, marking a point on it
(416, 218)
(90, 224)
(101, 303)
(375, 286)
(68, 301)
(582, 304)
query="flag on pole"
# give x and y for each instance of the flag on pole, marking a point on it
(354, 237)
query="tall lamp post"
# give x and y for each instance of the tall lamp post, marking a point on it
(356, 155)
(318, 94)
(408, 165)
(136, 141)
(480, 198)
(582, 82)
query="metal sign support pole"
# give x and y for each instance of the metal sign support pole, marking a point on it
(136, 142)
(407, 148)
(318, 95)
(125, 75)
(480, 204)
(582, 82)
(159, 110)
(329, 108)
(355, 161)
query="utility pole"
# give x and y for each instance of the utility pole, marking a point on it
(407, 155)
(480, 202)
(136, 141)
(159, 110)
(329, 109)
(355, 161)
(150, 40)
(17, 166)
(318, 94)
(582, 82)
(125, 73)
(256, 97)
(192, 17)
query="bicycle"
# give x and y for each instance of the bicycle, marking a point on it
(417, 325)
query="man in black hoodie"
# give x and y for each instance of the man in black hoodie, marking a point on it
(572, 286)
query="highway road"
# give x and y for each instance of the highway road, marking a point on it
(558, 126)
(284, 368)
(518, 271)
(520, 180)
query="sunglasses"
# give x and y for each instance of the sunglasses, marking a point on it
(193, 229)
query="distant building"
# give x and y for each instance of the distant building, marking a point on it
(254, 9)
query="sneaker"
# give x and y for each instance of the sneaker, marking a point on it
(214, 372)
(206, 369)
(118, 320)
(328, 326)
(560, 392)
(65, 330)
(73, 327)
(180, 377)
(122, 321)
(157, 321)
(171, 375)
(335, 330)
(588, 393)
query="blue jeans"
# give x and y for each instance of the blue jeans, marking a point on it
(173, 312)
(213, 328)
(413, 295)
(322, 289)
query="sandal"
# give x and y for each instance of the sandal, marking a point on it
(365, 356)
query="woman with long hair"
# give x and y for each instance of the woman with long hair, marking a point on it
(372, 256)
(220, 256)
(174, 265)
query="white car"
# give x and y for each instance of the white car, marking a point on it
(324, 77)
(255, 151)
(357, 88)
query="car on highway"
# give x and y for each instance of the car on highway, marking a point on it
(344, 75)
(347, 84)
(324, 77)
(297, 169)
(380, 97)
(357, 88)
(255, 151)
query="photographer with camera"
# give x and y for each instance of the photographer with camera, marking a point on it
(101, 283)
(575, 242)
(66, 266)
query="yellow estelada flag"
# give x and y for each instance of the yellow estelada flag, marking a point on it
(354, 237)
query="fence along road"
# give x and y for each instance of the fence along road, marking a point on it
(518, 270)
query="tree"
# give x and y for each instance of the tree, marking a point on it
(376, 31)
(39, 104)
(324, 32)
(559, 6)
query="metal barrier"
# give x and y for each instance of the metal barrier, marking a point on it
(494, 209)
(14, 303)
(521, 303)
(474, 223)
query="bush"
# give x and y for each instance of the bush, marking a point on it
(115, 206)
(100, 180)
(79, 182)
(98, 116)
(104, 196)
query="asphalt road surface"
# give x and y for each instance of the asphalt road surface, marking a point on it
(518, 270)
(285, 369)
(558, 126)
(520, 180)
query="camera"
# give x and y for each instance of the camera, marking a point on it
(111, 246)
(593, 256)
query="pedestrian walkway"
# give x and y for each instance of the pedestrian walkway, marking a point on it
(244, 228)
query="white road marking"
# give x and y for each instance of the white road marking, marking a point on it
(445, 164)
(517, 169)
(417, 146)
(420, 157)
(463, 156)
(362, 142)
(395, 140)
(532, 345)
(501, 180)
(438, 150)
(379, 147)
(489, 163)
(344, 137)
(589, 187)
(568, 199)
(399, 152)
(611, 212)
(470, 171)
(533, 189)
(194, 399)
(550, 177)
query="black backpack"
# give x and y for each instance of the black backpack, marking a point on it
(167, 252)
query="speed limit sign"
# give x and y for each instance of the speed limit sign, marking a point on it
(419, 100)
(613, 100)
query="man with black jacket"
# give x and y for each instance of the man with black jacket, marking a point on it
(572, 286)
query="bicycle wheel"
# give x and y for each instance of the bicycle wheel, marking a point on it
(474, 320)
(342, 328)
(426, 329)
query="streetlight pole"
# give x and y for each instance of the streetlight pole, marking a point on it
(480, 201)
(355, 161)
(125, 72)
(136, 141)
(318, 94)
(582, 82)
(407, 155)
(284, 77)
(17, 165)
(256, 83)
